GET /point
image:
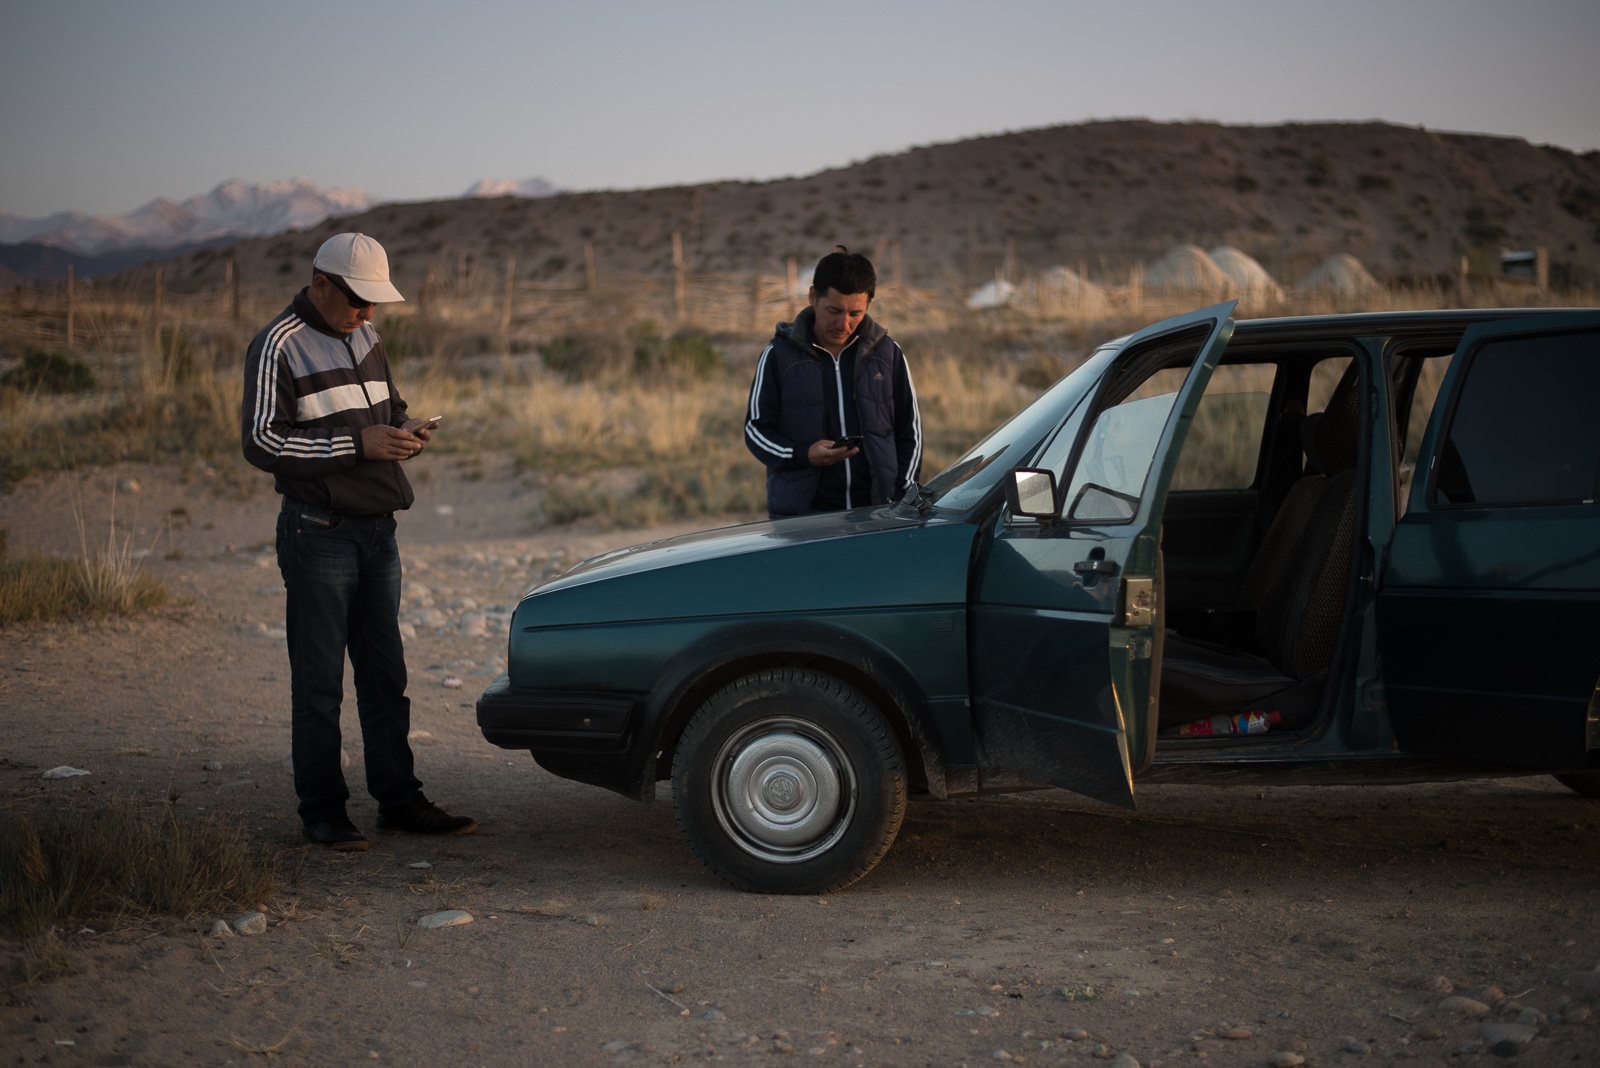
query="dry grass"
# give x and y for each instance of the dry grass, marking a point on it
(119, 858)
(613, 435)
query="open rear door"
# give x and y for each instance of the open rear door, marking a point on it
(1066, 611)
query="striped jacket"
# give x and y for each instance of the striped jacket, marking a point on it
(308, 393)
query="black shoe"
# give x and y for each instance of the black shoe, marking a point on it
(425, 818)
(337, 833)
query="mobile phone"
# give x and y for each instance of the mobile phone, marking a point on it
(431, 423)
(851, 442)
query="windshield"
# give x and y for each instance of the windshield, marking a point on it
(965, 482)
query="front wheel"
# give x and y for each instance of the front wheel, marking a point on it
(789, 781)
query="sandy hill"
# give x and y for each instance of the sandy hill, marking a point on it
(1105, 196)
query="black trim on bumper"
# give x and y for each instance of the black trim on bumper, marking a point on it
(561, 721)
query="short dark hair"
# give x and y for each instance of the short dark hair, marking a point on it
(845, 272)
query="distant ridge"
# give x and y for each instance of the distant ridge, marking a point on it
(235, 208)
(1101, 199)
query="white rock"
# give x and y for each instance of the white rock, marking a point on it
(408, 632)
(443, 509)
(420, 736)
(419, 864)
(63, 772)
(450, 682)
(251, 923)
(211, 765)
(220, 929)
(447, 918)
(1124, 1060)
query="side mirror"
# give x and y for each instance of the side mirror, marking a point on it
(1032, 493)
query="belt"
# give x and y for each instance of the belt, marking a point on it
(308, 506)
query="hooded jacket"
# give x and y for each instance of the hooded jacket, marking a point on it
(309, 391)
(800, 395)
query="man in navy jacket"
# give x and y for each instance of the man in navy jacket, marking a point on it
(833, 412)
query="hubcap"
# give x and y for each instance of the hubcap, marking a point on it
(783, 790)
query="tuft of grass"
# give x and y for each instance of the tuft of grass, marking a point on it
(116, 857)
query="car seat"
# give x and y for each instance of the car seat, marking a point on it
(1295, 586)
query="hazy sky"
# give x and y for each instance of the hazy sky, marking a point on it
(105, 105)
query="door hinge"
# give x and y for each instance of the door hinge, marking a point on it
(1138, 607)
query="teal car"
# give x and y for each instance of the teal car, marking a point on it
(1310, 550)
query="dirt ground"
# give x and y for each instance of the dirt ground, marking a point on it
(1219, 926)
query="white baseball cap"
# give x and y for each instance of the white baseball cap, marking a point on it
(362, 263)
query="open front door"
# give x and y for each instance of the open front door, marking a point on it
(1489, 608)
(1066, 610)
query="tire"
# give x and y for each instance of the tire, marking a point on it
(789, 781)
(1586, 783)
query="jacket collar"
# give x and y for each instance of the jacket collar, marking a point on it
(802, 332)
(307, 311)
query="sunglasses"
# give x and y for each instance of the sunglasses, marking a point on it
(356, 302)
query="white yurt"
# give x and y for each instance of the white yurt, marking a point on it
(1340, 274)
(996, 294)
(1250, 280)
(1061, 290)
(1185, 269)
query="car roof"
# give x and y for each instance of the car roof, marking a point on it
(1392, 322)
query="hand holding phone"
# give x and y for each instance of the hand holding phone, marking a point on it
(432, 423)
(851, 442)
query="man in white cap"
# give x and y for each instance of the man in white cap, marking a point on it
(322, 414)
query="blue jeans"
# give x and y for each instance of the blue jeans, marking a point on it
(342, 575)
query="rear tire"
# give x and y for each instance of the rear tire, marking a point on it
(1586, 783)
(789, 781)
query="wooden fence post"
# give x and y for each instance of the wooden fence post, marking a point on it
(1461, 283)
(678, 295)
(158, 311)
(233, 286)
(511, 278)
(70, 308)
(588, 265)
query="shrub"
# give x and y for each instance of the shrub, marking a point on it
(49, 372)
(60, 864)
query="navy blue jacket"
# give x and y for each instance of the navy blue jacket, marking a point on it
(800, 395)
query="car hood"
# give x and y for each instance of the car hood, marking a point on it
(845, 560)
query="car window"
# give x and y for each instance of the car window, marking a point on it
(1524, 428)
(1325, 378)
(1223, 448)
(1423, 397)
(1116, 457)
(962, 484)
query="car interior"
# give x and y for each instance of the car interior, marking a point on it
(1257, 539)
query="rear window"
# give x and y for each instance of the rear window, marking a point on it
(1525, 428)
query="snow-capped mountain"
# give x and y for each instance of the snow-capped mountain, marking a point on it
(233, 209)
(510, 187)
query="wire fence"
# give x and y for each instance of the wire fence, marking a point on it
(78, 314)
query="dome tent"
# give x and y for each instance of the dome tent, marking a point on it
(1340, 274)
(996, 294)
(1185, 269)
(1250, 280)
(1061, 289)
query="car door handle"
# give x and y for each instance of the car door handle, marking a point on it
(1095, 567)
